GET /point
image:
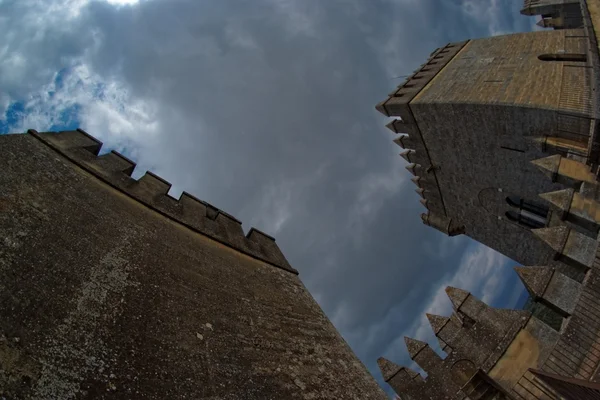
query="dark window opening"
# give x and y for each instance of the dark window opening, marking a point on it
(528, 214)
(509, 148)
(563, 57)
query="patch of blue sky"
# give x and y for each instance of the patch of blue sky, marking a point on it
(14, 114)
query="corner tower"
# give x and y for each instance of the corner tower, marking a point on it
(474, 117)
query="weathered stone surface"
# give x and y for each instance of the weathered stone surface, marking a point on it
(437, 322)
(562, 293)
(535, 279)
(388, 369)
(548, 165)
(529, 348)
(102, 296)
(457, 296)
(555, 237)
(407, 154)
(413, 346)
(400, 141)
(413, 168)
(580, 249)
(476, 119)
(560, 199)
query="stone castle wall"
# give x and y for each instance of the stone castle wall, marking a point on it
(109, 288)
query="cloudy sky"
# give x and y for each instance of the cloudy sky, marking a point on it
(265, 108)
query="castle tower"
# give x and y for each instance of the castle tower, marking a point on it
(111, 288)
(557, 14)
(473, 118)
(502, 137)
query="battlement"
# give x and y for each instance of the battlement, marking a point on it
(151, 190)
(475, 337)
(397, 103)
(410, 138)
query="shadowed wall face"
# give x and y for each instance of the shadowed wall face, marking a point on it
(100, 295)
(481, 119)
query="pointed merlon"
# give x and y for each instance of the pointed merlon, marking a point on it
(424, 202)
(400, 141)
(381, 107)
(413, 346)
(416, 180)
(456, 296)
(412, 168)
(535, 279)
(420, 192)
(437, 322)
(555, 237)
(548, 165)
(391, 126)
(388, 369)
(407, 154)
(398, 126)
(561, 199)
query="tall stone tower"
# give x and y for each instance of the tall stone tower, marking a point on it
(501, 135)
(112, 289)
(472, 119)
(557, 14)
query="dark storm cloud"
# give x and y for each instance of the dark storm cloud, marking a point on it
(266, 109)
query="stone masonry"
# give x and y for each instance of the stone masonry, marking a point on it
(112, 289)
(501, 135)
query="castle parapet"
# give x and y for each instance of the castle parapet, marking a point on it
(397, 102)
(151, 190)
(475, 339)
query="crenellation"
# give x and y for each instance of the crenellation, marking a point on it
(136, 294)
(401, 379)
(152, 191)
(415, 169)
(150, 186)
(409, 155)
(552, 288)
(569, 245)
(442, 379)
(413, 142)
(397, 104)
(400, 126)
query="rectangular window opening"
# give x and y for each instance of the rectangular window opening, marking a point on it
(512, 149)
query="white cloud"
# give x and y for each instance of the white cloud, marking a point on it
(104, 108)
